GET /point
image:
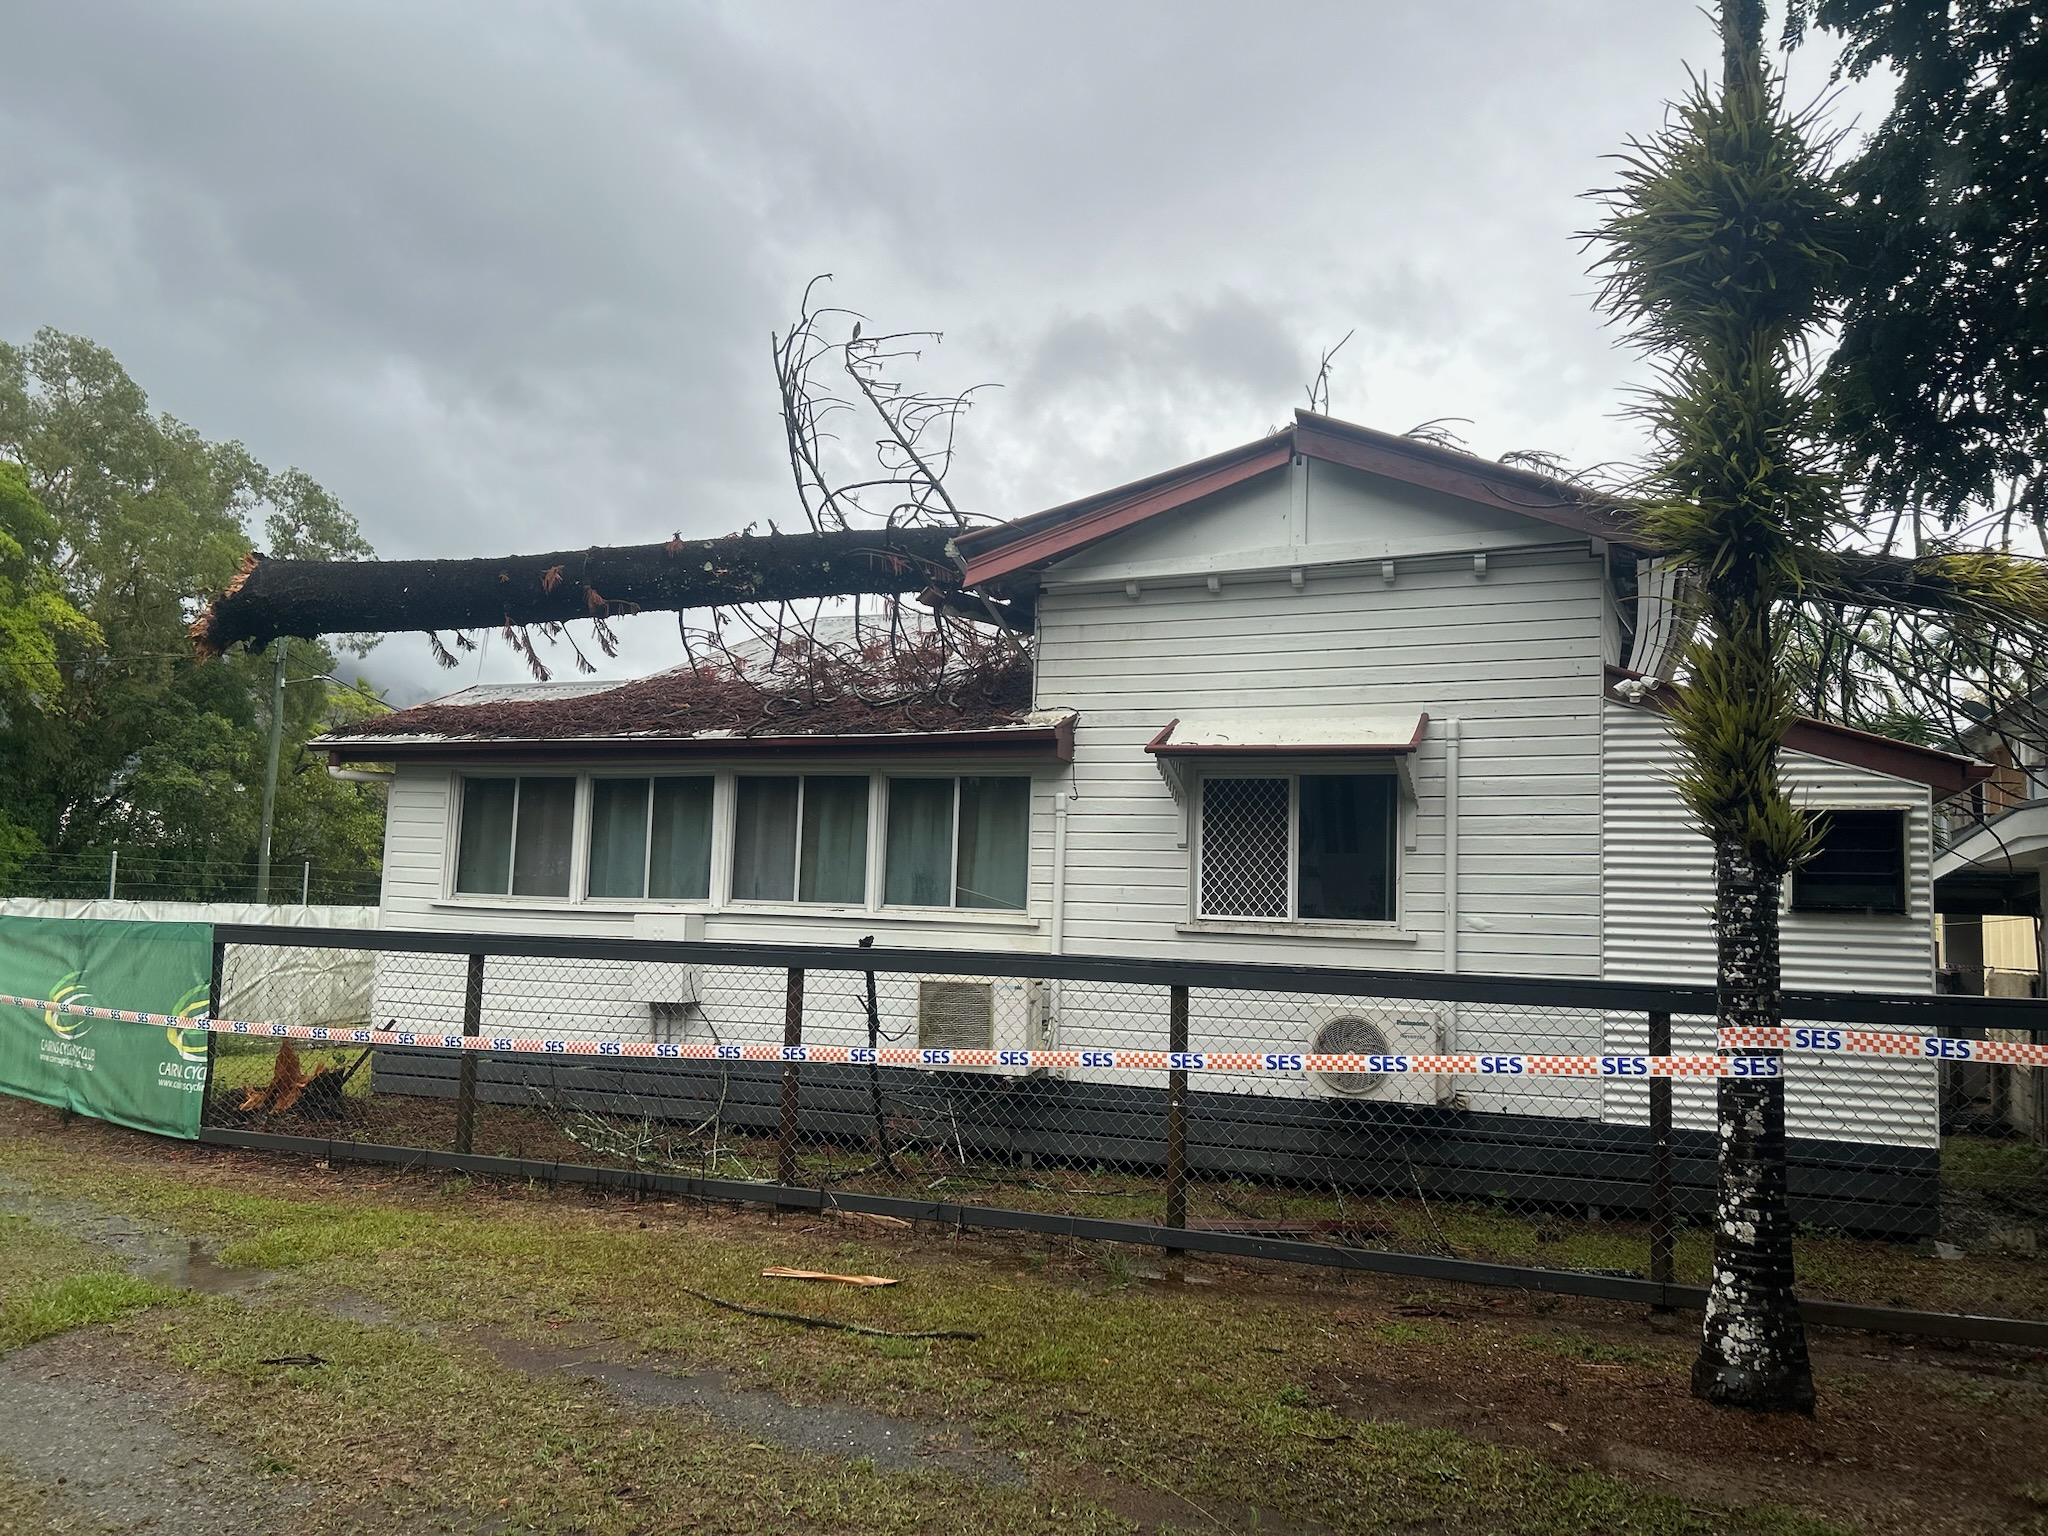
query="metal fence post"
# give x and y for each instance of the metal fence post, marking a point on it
(1177, 1116)
(1663, 1219)
(213, 992)
(465, 1082)
(792, 1034)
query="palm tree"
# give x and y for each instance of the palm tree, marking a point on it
(1720, 252)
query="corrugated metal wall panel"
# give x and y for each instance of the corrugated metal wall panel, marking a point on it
(1657, 893)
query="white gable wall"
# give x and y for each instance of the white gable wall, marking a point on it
(1514, 656)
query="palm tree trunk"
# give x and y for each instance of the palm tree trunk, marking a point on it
(1753, 1348)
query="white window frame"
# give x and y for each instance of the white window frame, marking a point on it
(1293, 773)
(579, 837)
(724, 820)
(952, 904)
(870, 892)
(588, 802)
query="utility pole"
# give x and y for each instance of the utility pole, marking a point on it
(270, 772)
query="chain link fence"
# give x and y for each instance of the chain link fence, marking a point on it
(1437, 1124)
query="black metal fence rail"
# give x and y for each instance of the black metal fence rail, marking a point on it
(1220, 1166)
(1929, 1013)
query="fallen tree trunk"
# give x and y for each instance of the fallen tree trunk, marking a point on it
(311, 598)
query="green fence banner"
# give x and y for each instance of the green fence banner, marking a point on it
(139, 1075)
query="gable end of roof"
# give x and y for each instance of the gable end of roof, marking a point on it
(995, 555)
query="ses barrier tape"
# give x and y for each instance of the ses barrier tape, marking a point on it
(1504, 1064)
(1884, 1042)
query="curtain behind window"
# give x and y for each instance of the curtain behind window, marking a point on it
(1347, 847)
(835, 854)
(542, 838)
(995, 843)
(618, 837)
(918, 871)
(483, 865)
(679, 856)
(764, 840)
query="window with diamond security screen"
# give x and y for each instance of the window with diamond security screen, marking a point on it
(1244, 847)
(1859, 867)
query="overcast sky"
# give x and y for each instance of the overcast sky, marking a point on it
(502, 275)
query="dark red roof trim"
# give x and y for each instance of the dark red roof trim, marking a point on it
(1046, 536)
(1457, 474)
(1051, 743)
(1946, 773)
(990, 554)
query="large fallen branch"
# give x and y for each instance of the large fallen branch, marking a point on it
(311, 598)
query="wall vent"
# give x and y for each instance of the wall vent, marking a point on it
(956, 1015)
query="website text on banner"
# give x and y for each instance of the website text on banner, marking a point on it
(151, 1079)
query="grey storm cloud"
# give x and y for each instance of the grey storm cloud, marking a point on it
(503, 275)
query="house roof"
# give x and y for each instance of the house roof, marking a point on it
(703, 712)
(1946, 773)
(998, 555)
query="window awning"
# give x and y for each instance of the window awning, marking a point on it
(1243, 737)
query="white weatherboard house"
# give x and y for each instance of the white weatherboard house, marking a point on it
(1332, 697)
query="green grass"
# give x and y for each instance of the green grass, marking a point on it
(239, 1062)
(51, 1283)
(1979, 1163)
(1176, 1389)
(29, 1505)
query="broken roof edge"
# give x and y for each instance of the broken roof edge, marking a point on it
(1946, 773)
(992, 554)
(1047, 734)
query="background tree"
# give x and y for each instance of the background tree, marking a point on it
(1937, 395)
(137, 519)
(1940, 382)
(1724, 252)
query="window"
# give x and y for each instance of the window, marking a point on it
(1316, 846)
(801, 839)
(516, 837)
(958, 843)
(1860, 866)
(650, 838)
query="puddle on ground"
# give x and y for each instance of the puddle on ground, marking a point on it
(894, 1445)
(147, 1251)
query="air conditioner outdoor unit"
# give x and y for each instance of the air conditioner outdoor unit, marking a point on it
(1381, 1029)
(972, 1013)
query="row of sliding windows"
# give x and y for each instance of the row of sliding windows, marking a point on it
(946, 842)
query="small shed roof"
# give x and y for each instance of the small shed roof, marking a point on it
(1267, 733)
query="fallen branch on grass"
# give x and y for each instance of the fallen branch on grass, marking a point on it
(824, 1322)
(784, 1272)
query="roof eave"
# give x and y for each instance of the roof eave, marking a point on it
(1053, 742)
(1946, 773)
(993, 556)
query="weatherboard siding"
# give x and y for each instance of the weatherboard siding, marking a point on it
(1514, 657)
